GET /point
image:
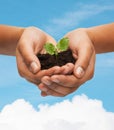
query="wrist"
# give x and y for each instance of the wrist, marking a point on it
(18, 34)
(94, 39)
(16, 37)
(90, 35)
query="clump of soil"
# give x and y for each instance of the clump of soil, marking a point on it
(47, 61)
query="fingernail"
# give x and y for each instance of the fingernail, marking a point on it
(46, 82)
(79, 72)
(34, 67)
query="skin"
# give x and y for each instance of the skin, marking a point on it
(9, 37)
(64, 84)
(31, 43)
(25, 43)
(102, 38)
(85, 43)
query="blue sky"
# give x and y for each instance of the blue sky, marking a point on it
(56, 18)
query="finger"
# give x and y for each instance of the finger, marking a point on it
(65, 80)
(29, 56)
(43, 94)
(35, 78)
(84, 56)
(56, 90)
(36, 82)
(46, 80)
(46, 91)
(22, 68)
(55, 69)
(61, 89)
(24, 71)
(67, 69)
(90, 70)
(52, 94)
(49, 72)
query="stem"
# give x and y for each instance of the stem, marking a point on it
(56, 54)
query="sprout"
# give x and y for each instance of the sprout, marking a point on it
(62, 45)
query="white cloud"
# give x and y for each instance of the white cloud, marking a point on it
(80, 113)
(73, 18)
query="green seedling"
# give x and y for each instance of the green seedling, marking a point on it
(62, 45)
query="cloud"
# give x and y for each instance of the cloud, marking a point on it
(74, 17)
(81, 113)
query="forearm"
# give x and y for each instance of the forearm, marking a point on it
(9, 37)
(102, 37)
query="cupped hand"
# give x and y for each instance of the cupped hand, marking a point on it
(73, 76)
(30, 44)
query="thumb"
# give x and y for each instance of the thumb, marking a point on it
(29, 57)
(82, 63)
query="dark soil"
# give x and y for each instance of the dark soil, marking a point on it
(47, 61)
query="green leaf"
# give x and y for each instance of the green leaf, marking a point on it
(63, 44)
(50, 48)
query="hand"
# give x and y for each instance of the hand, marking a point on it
(30, 44)
(83, 70)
